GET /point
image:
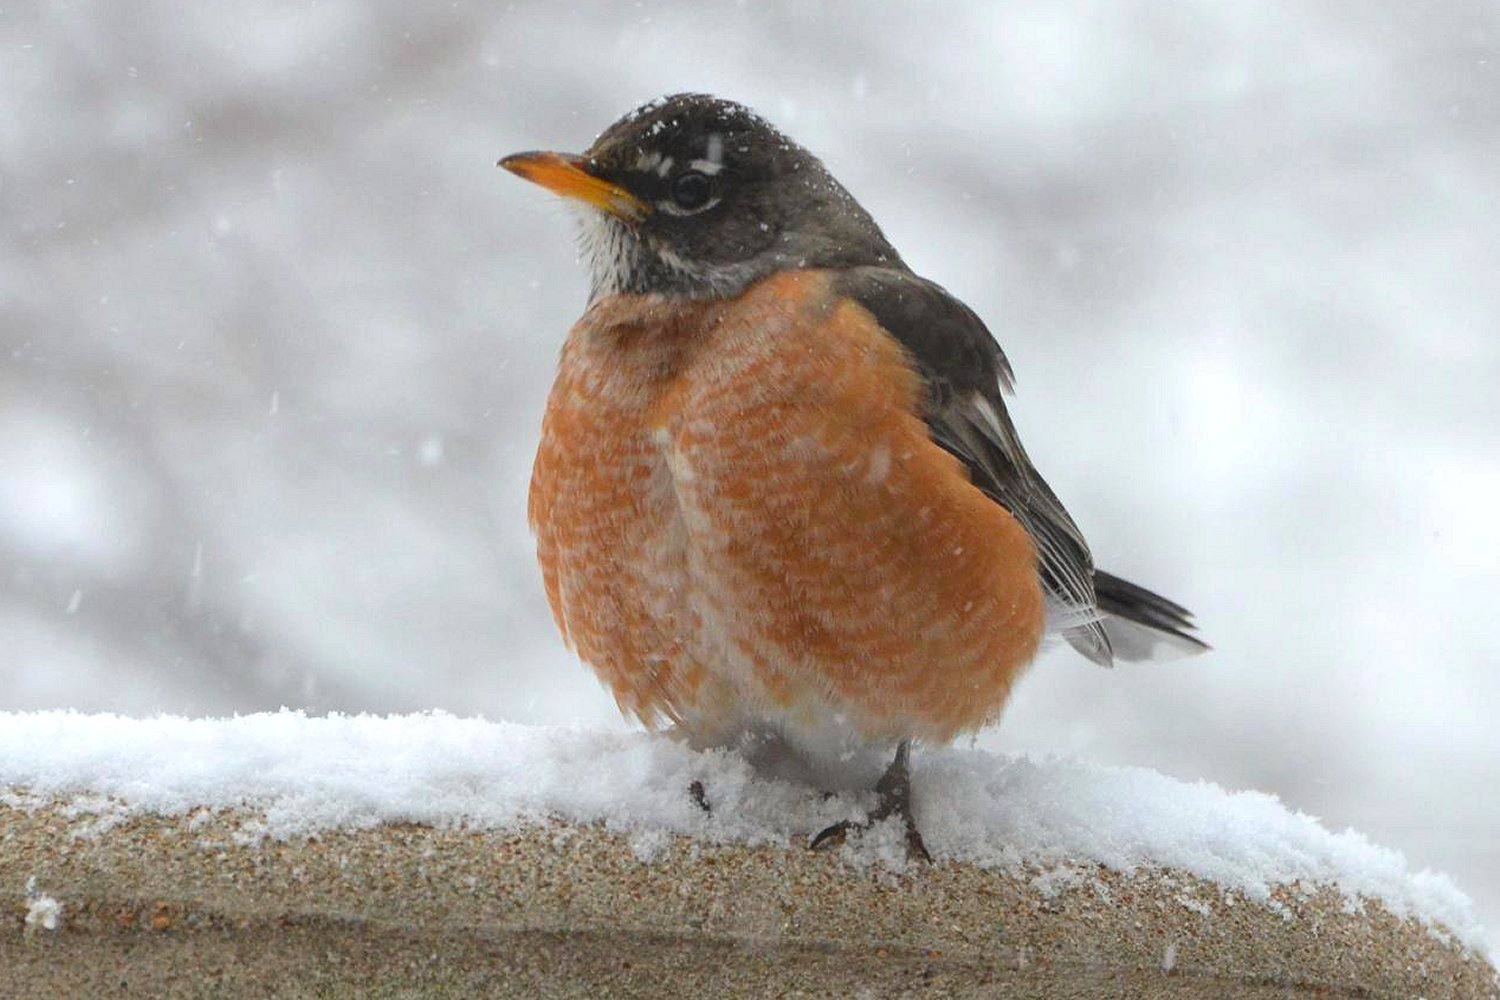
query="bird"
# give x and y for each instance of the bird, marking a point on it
(778, 492)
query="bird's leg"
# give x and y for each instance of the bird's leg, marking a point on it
(893, 792)
(892, 798)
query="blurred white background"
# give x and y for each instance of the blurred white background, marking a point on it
(275, 337)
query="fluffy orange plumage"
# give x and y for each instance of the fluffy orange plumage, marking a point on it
(741, 516)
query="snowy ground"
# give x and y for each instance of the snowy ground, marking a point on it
(315, 773)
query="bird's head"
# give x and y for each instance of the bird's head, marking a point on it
(699, 197)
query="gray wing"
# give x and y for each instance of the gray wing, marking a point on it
(965, 372)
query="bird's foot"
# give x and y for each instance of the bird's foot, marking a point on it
(698, 795)
(836, 834)
(893, 798)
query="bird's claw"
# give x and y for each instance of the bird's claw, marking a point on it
(699, 796)
(831, 836)
(838, 833)
(893, 794)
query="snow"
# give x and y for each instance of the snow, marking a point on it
(42, 911)
(1044, 817)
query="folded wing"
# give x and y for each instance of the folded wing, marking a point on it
(966, 373)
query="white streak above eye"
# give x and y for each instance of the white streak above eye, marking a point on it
(709, 167)
(715, 152)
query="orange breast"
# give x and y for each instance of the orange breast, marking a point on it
(740, 516)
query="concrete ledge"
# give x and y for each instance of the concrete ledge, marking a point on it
(201, 906)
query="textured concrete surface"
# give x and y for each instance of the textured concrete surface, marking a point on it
(199, 906)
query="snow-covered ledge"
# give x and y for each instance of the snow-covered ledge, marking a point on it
(286, 854)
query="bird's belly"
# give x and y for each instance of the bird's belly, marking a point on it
(698, 596)
(763, 544)
(841, 585)
(642, 583)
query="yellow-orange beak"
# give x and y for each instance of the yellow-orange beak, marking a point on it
(563, 174)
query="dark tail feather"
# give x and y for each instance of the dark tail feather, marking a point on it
(1143, 625)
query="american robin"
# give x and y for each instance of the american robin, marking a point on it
(778, 491)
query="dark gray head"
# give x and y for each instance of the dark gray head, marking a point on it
(695, 196)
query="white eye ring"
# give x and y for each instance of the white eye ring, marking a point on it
(686, 190)
(671, 207)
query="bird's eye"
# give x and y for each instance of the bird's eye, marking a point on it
(691, 190)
